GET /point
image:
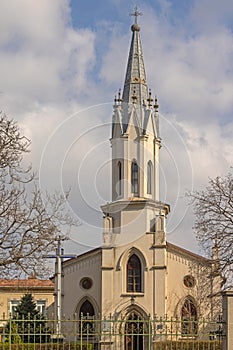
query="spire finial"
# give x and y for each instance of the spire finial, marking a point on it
(119, 99)
(136, 13)
(150, 99)
(156, 105)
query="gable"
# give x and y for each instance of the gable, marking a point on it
(117, 130)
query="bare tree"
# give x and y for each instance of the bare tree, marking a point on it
(30, 220)
(201, 288)
(213, 208)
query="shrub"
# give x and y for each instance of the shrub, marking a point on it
(188, 345)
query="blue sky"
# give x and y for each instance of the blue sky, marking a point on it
(88, 14)
(62, 62)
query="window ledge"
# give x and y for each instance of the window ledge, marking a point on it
(133, 294)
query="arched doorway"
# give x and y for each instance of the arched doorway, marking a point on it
(134, 332)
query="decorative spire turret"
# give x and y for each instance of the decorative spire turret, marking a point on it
(150, 99)
(156, 105)
(119, 96)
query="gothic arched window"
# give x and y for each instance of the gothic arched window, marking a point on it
(188, 318)
(86, 316)
(119, 173)
(149, 177)
(134, 177)
(134, 275)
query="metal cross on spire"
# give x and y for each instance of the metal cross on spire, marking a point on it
(136, 13)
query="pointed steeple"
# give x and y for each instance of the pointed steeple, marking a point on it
(135, 144)
(135, 79)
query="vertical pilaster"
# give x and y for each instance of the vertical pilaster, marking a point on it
(157, 145)
(107, 281)
(126, 171)
(159, 268)
(228, 320)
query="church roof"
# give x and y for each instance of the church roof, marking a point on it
(179, 250)
(82, 255)
(170, 248)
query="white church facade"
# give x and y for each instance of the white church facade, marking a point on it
(136, 271)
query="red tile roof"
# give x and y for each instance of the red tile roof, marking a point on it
(31, 282)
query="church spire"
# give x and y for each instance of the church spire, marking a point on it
(135, 131)
(135, 79)
(135, 144)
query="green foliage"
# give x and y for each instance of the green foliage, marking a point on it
(188, 345)
(47, 346)
(15, 337)
(27, 308)
(84, 346)
(27, 323)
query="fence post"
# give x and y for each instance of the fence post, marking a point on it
(10, 325)
(149, 332)
(228, 319)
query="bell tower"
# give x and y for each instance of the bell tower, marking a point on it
(135, 143)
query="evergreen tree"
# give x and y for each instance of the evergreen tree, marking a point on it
(30, 323)
(15, 337)
(27, 308)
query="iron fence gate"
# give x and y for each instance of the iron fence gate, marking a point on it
(126, 333)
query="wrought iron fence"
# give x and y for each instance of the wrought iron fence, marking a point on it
(126, 333)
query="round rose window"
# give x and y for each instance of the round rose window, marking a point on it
(189, 281)
(86, 283)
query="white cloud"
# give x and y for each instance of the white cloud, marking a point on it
(49, 70)
(43, 58)
(193, 75)
(33, 22)
(209, 15)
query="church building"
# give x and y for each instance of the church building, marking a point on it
(136, 271)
